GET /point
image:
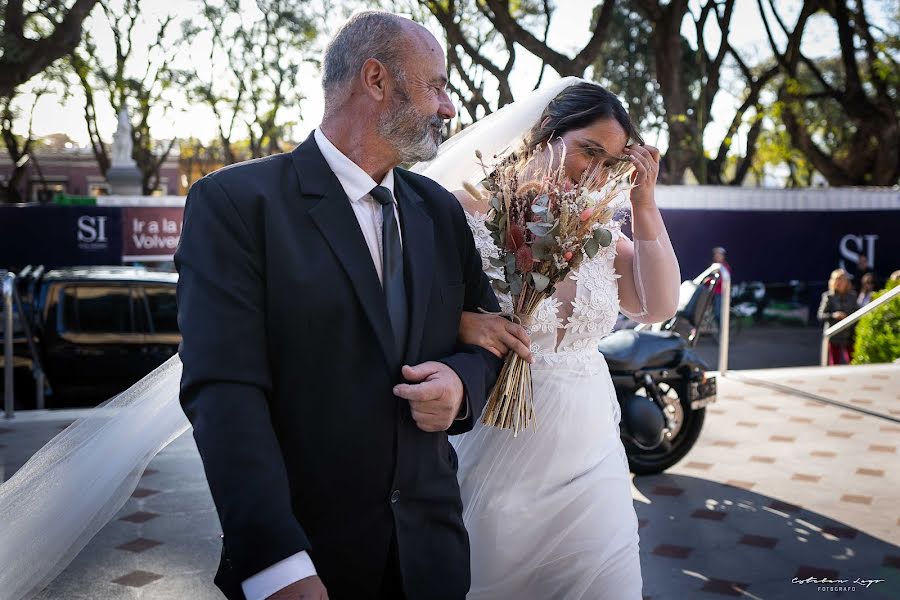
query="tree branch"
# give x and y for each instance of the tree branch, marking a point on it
(509, 27)
(854, 87)
(23, 58)
(865, 32)
(456, 36)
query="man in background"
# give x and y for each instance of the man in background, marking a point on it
(718, 256)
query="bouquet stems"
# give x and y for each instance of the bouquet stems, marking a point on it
(511, 403)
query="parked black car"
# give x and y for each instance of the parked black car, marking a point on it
(97, 329)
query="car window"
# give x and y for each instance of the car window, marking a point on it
(163, 309)
(97, 309)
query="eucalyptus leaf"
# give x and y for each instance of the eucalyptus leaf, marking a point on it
(500, 285)
(495, 202)
(498, 262)
(538, 209)
(603, 237)
(539, 250)
(591, 247)
(515, 285)
(542, 200)
(539, 229)
(491, 226)
(555, 230)
(510, 265)
(542, 248)
(540, 281)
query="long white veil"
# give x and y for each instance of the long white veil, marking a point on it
(493, 135)
(52, 507)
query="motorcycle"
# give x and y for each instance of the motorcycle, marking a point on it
(661, 384)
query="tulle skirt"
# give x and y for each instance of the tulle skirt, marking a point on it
(52, 507)
(550, 512)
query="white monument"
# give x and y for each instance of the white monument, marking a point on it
(123, 176)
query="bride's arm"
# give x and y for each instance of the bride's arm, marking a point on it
(470, 204)
(650, 276)
(493, 333)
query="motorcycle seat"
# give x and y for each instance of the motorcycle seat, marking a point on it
(629, 350)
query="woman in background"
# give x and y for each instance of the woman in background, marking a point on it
(838, 302)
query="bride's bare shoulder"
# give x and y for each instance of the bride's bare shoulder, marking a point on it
(471, 204)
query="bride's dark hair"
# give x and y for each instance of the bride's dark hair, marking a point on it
(578, 106)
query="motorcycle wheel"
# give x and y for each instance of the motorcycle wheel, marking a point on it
(651, 462)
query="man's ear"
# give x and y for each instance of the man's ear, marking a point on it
(373, 77)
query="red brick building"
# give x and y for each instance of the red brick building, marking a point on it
(75, 171)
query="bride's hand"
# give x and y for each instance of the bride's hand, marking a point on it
(495, 334)
(646, 170)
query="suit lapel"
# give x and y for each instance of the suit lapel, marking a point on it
(335, 219)
(418, 252)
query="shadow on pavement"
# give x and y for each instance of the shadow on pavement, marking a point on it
(700, 538)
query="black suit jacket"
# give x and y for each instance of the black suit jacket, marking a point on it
(288, 375)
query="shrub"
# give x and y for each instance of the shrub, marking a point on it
(878, 333)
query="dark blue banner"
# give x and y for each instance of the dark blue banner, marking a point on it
(767, 246)
(780, 246)
(58, 236)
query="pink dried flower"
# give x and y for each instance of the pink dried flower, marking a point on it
(524, 260)
(515, 238)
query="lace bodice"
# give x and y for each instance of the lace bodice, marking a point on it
(594, 307)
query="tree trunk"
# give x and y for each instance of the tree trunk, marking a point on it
(667, 52)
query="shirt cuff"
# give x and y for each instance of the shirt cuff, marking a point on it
(277, 577)
(465, 415)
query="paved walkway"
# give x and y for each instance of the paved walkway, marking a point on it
(782, 485)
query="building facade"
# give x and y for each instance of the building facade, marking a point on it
(74, 171)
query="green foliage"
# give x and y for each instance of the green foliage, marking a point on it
(628, 69)
(878, 333)
(774, 147)
(250, 80)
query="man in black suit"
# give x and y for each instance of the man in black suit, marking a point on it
(319, 299)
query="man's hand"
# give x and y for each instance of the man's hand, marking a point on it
(310, 588)
(839, 315)
(435, 394)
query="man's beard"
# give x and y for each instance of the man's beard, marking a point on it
(415, 136)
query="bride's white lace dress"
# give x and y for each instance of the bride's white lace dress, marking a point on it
(550, 513)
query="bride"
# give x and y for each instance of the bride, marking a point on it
(549, 513)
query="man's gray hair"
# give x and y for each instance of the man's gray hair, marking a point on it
(369, 34)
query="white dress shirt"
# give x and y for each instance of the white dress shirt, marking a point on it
(357, 184)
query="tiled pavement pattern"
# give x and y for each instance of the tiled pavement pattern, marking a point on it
(779, 486)
(163, 544)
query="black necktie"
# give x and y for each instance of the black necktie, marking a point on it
(392, 268)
